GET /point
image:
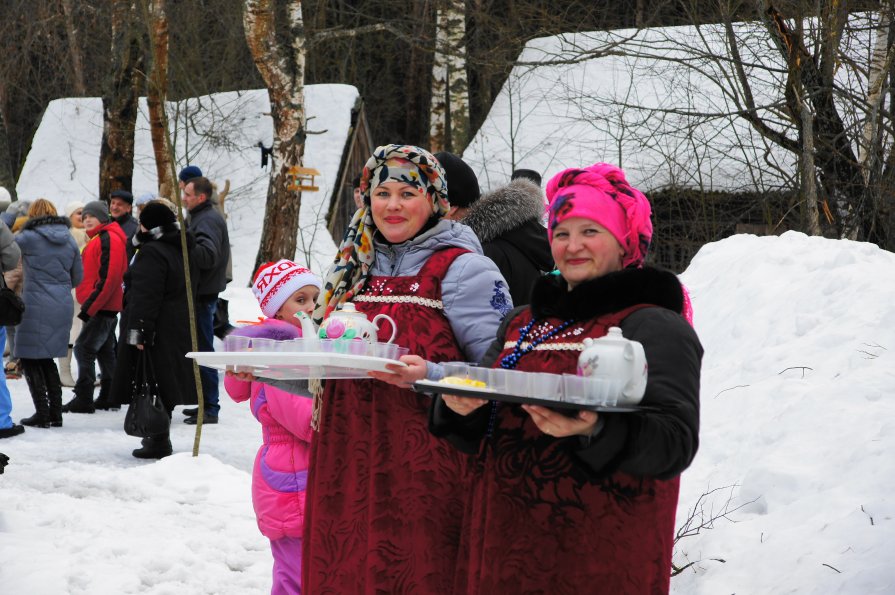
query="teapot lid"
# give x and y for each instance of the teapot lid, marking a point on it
(613, 335)
(348, 308)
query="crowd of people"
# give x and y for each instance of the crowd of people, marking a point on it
(105, 287)
(363, 485)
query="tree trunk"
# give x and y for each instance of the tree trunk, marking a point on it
(880, 60)
(449, 114)
(810, 214)
(840, 174)
(156, 95)
(116, 159)
(7, 176)
(282, 68)
(74, 48)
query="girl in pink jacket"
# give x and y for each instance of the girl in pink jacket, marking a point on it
(281, 466)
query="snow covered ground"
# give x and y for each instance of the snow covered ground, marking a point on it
(798, 431)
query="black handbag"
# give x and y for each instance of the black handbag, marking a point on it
(11, 306)
(146, 415)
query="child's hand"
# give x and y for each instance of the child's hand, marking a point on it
(244, 376)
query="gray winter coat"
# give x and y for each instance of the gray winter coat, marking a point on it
(475, 295)
(9, 250)
(52, 267)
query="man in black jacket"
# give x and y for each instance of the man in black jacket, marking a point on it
(210, 256)
(507, 222)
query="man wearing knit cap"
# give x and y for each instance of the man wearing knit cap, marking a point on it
(463, 185)
(121, 205)
(188, 173)
(100, 295)
(210, 256)
(507, 222)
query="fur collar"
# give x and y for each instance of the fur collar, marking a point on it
(505, 209)
(156, 233)
(606, 294)
(46, 220)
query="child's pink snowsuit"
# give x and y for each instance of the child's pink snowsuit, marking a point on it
(281, 466)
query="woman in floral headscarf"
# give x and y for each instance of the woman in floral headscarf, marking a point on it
(384, 496)
(583, 503)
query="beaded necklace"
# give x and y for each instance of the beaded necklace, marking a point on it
(510, 361)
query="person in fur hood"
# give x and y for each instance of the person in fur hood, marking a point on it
(507, 222)
(550, 485)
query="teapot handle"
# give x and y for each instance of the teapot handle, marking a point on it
(392, 322)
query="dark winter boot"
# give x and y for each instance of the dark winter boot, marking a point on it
(38, 388)
(79, 405)
(54, 394)
(155, 447)
(102, 401)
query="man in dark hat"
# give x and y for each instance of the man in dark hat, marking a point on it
(526, 174)
(121, 206)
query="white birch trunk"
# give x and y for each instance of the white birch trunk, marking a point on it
(282, 68)
(449, 112)
(880, 61)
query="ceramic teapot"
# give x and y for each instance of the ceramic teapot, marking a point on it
(349, 324)
(615, 358)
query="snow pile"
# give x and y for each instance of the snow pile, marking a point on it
(798, 411)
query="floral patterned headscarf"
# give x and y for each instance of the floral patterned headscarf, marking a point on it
(351, 266)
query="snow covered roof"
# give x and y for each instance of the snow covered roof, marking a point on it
(220, 134)
(567, 104)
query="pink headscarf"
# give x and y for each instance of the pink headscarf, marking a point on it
(602, 194)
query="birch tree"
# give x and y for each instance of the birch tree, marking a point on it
(116, 160)
(157, 21)
(280, 58)
(449, 113)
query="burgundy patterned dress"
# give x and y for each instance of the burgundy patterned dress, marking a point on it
(385, 498)
(538, 522)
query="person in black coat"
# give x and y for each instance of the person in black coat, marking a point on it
(507, 222)
(156, 319)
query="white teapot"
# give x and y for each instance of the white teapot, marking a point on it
(349, 324)
(612, 357)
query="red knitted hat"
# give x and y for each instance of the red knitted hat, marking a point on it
(276, 281)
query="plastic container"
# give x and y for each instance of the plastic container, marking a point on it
(264, 344)
(237, 343)
(518, 383)
(543, 385)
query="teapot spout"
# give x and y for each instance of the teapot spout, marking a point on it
(308, 330)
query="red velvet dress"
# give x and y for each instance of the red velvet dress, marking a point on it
(539, 522)
(385, 498)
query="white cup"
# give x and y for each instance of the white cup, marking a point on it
(546, 386)
(237, 343)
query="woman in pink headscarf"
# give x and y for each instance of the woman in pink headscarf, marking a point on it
(582, 503)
